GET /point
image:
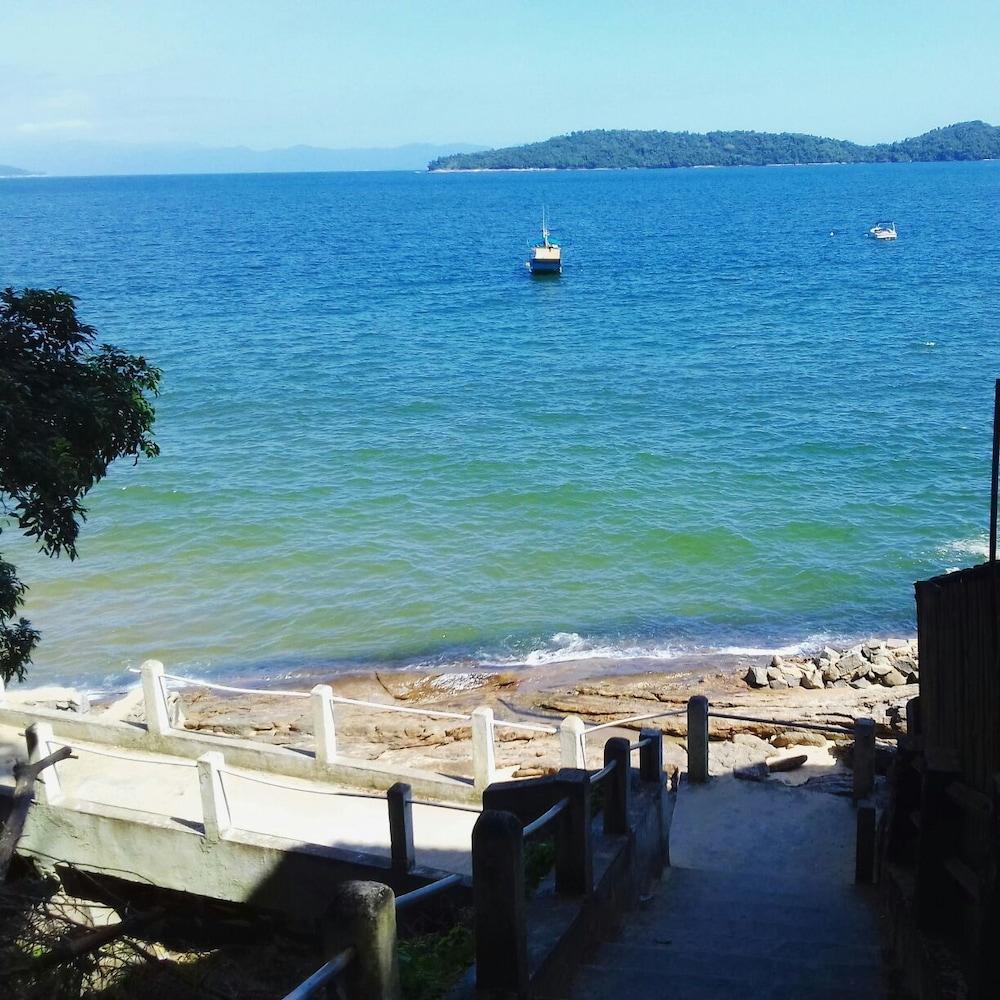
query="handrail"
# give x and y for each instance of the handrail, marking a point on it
(431, 889)
(603, 773)
(633, 718)
(116, 755)
(340, 700)
(322, 975)
(832, 728)
(550, 814)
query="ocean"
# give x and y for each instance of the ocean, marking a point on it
(733, 423)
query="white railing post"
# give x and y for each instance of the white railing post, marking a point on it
(324, 727)
(48, 788)
(484, 761)
(571, 736)
(214, 807)
(3, 691)
(154, 698)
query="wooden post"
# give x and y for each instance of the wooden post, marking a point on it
(499, 904)
(324, 726)
(25, 776)
(697, 741)
(48, 787)
(363, 915)
(651, 755)
(995, 471)
(400, 800)
(936, 894)
(574, 851)
(864, 758)
(864, 850)
(214, 806)
(154, 698)
(571, 737)
(483, 750)
(617, 785)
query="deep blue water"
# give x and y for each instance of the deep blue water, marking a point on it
(734, 421)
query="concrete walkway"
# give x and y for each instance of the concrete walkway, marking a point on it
(759, 904)
(301, 811)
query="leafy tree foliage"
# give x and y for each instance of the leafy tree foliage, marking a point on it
(68, 409)
(601, 148)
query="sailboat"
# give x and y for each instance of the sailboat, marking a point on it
(546, 257)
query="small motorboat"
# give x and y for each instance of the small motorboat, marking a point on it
(546, 257)
(883, 231)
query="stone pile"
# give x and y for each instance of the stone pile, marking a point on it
(889, 663)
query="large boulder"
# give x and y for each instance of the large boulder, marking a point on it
(812, 680)
(893, 679)
(851, 662)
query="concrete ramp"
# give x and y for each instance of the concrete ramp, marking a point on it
(759, 904)
(764, 827)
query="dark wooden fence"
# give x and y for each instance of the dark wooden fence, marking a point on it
(957, 625)
(946, 781)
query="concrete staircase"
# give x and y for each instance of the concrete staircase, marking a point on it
(708, 935)
(732, 923)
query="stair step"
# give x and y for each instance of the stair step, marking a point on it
(699, 951)
(641, 984)
(817, 919)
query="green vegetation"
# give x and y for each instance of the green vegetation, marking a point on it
(431, 963)
(67, 411)
(539, 857)
(623, 149)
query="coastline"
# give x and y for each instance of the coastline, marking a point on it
(597, 691)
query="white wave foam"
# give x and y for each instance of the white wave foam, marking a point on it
(978, 546)
(568, 646)
(565, 646)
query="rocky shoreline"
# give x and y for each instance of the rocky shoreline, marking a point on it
(599, 694)
(831, 689)
(889, 662)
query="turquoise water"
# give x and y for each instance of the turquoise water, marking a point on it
(734, 421)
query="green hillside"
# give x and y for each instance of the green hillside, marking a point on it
(620, 149)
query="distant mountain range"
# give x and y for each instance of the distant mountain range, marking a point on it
(77, 157)
(6, 171)
(602, 149)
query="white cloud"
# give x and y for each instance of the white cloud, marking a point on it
(67, 125)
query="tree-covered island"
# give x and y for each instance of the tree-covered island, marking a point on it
(621, 149)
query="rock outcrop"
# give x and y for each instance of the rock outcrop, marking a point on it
(888, 662)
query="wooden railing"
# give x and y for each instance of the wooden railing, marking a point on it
(360, 936)
(947, 834)
(562, 808)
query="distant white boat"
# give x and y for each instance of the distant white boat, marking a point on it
(883, 231)
(546, 257)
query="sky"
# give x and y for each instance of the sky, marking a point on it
(360, 73)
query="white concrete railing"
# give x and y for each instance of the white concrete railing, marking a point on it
(572, 732)
(216, 800)
(482, 721)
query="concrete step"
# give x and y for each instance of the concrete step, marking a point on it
(752, 922)
(597, 982)
(764, 885)
(695, 951)
(708, 934)
(758, 918)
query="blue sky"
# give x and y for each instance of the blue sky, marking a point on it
(347, 73)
